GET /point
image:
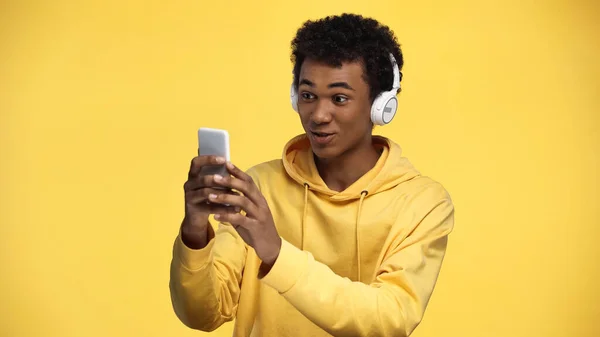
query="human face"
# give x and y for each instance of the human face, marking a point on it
(334, 107)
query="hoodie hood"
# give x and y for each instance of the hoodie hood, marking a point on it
(390, 170)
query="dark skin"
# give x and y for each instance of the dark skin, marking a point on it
(337, 101)
(332, 100)
(203, 197)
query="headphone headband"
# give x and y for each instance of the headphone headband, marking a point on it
(396, 83)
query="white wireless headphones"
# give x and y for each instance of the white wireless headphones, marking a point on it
(384, 106)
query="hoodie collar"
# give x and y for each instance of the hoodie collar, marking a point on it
(390, 170)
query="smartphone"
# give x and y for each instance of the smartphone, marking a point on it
(214, 142)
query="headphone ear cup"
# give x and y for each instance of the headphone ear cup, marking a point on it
(377, 110)
(294, 98)
(384, 108)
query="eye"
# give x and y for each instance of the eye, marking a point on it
(340, 99)
(307, 96)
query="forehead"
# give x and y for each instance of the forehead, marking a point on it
(322, 73)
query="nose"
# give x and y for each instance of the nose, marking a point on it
(322, 113)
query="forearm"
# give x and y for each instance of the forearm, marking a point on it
(195, 297)
(336, 304)
(393, 305)
(204, 283)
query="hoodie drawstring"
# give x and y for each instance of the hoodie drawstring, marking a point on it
(304, 215)
(363, 194)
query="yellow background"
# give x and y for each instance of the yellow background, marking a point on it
(100, 102)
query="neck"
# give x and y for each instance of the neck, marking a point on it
(341, 172)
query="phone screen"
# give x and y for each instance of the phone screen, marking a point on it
(214, 142)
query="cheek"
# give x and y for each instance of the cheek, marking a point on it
(356, 123)
(303, 117)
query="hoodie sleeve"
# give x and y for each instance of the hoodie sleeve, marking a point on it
(205, 283)
(393, 305)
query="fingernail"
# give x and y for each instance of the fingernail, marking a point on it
(220, 160)
(230, 165)
(212, 196)
(218, 177)
(217, 216)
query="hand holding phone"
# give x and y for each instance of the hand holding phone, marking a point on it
(213, 145)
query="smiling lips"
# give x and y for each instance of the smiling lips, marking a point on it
(322, 138)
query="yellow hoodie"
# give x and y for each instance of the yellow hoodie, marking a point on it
(361, 262)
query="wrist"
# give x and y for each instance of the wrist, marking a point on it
(270, 255)
(194, 237)
(269, 261)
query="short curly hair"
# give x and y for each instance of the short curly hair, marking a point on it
(349, 38)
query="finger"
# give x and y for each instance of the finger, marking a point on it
(201, 195)
(233, 183)
(200, 161)
(222, 209)
(198, 182)
(235, 200)
(236, 172)
(236, 219)
(247, 185)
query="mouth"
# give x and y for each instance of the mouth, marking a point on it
(321, 138)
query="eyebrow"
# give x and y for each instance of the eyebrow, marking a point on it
(331, 85)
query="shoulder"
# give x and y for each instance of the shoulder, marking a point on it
(264, 169)
(267, 173)
(426, 208)
(429, 188)
(424, 195)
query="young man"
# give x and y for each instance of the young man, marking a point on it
(341, 236)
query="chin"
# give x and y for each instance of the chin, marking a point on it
(325, 152)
